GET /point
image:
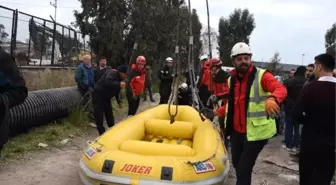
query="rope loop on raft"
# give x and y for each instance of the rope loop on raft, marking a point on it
(176, 75)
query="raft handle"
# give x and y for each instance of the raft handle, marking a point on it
(166, 173)
(108, 166)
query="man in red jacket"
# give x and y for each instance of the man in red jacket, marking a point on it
(219, 88)
(254, 100)
(135, 83)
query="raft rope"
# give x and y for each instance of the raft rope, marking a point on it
(176, 75)
(212, 155)
(195, 96)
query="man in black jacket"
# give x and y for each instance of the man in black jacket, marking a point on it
(107, 87)
(13, 92)
(294, 86)
(309, 74)
(166, 80)
(315, 110)
(100, 70)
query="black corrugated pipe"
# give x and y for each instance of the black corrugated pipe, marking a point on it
(42, 107)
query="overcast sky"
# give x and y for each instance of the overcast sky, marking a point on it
(292, 27)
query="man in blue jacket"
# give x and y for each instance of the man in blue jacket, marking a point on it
(13, 92)
(84, 76)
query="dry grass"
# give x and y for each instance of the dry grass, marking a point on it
(39, 79)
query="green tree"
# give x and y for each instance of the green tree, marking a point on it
(115, 25)
(330, 40)
(275, 64)
(236, 28)
(3, 33)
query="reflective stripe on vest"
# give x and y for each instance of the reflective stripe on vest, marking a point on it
(258, 127)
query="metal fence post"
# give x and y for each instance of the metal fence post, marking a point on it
(42, 43)
(29, 42)
(77, 49)
(62, 45)
(53, 45)
(14, 32)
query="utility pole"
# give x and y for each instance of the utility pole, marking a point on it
(303, 55)
(55, 6)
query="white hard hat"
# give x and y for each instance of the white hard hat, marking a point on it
(204, 57)
(184, 86)
(240, 48)
(169, 59)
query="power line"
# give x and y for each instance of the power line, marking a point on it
(8, 2)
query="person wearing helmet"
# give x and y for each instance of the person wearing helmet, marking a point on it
(166, 79)
(204, 81)
(135, 84)
(254, 100)
(219, 89)
(107, 87)
(184, 95)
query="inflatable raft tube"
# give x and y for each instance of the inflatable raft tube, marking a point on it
(147, 150)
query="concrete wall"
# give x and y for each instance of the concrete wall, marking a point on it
(38, 78)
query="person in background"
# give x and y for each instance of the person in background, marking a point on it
(84, 76)
(166, 79)
(13, 92)
(315, 110)
(291, 73)
(148, 84)
(184, 95)
(254, 101)
(294, 86)
(219, 89)
(310, 74)
(100, 70)
(135, 83)
(108, 86)
(204, 81)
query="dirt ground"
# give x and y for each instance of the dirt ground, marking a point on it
(59, 166)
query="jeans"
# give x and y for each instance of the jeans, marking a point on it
(292, 139)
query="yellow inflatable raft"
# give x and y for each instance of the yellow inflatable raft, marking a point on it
(147, 150)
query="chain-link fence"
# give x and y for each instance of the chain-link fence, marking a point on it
(37, 41)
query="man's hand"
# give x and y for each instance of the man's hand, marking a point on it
(272, 108)
(215, 112)
(122, 84)
(135, 96)
(120, 105)
(90, 90)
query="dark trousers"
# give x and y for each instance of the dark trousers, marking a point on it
(204, 95)
(165, 91)
(292, 139)
(244, 154)
(133, 104)
(102, 106)
(316, 165)
(148, 88)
